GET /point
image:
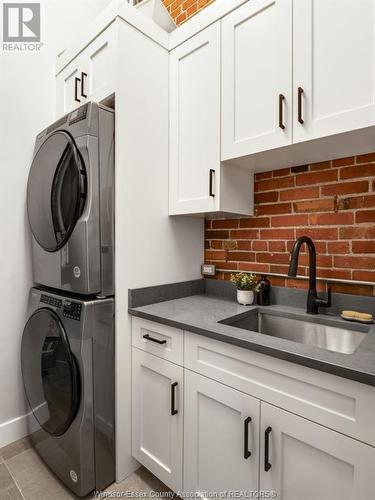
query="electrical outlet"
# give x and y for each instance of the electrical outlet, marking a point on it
(208, 270)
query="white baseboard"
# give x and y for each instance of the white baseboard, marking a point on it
(12, 430)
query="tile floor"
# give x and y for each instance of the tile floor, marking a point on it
(23, 475)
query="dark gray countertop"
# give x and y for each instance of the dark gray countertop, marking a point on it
(201, 314)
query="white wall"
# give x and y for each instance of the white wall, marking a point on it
(27, 105)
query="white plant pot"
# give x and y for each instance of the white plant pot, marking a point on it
(156, 10)
(245, 297)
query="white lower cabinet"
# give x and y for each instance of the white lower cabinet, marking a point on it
(221, 435)
(306, 460)
(276, 451)
(206, 437)
(157, 416)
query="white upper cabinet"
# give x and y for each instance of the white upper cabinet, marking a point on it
(334, 67)
(198, 182)
(195, 123)
(300, 459)
(221, 445)
(257, 78)
(91, 76)
(69, 87)
(100, 60)
(294, 71)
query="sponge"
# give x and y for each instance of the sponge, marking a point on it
(357, 315)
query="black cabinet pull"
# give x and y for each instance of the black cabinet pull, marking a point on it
(281, 107)
(246, 451)
(212, 177)
(267, 464)
(147, 337)
(173, 398)
(83, 77)
(300, 92)
(76, 82)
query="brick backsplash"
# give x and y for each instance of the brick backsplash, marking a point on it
(333, 202)
(182, 10)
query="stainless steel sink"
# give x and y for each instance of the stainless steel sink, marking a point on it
(343, 340)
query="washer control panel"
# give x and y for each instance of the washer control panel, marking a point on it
(72, 310)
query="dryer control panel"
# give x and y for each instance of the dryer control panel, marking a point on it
(72, 310)
(51, 301)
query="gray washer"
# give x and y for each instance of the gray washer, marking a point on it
(67, 360)
(70, 202)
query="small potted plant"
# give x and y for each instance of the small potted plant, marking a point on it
(246, 285)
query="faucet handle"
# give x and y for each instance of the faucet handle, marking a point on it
(324, 302)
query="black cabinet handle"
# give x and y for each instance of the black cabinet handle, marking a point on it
(83, 77)
(173, 398)
(147, 337)
(76, 82)
(300, 92)
(246, 451)
(281, 107)
(267, 464)
(212, 177)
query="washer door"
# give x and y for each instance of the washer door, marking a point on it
(49, 372)
(56, 191)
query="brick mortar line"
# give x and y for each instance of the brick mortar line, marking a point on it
(296, 200)
(301, 277)
(333, 169)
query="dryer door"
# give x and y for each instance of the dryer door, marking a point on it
(56, 191)
(49, 372)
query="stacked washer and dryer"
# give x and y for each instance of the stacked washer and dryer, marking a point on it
(67, 353)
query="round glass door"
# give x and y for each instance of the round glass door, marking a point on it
(56, 191)
(49, 372)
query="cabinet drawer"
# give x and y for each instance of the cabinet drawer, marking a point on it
(344, 405)
(161, 340)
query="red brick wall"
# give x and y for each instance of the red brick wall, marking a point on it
(182, 10)
(333, 202)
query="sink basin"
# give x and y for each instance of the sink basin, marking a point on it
(333, 338)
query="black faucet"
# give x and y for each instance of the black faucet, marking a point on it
(313, 301)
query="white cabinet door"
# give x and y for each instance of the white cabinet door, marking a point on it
(100, 65)
(195, 123)
(68, 88)
(91, 76)
(334, 66)
(306, 460)
(157, 416)
(257, 78)
(221, 437)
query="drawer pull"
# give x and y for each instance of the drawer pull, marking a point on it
(76, 82)
(246, 451)
(267, 464)
(281, 106)
(157, 341)
(300, 92)
(174, 411)
(83, 77)
(211, 183)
